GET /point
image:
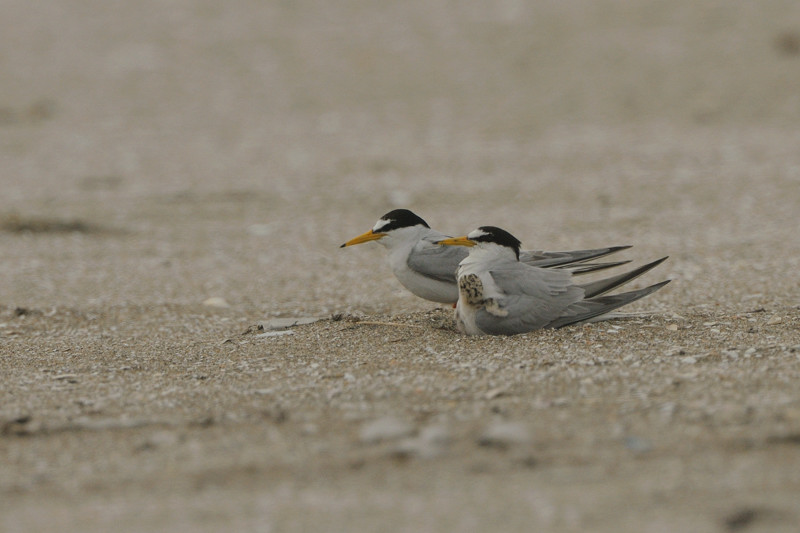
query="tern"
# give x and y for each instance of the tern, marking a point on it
(429, 270)
(500, 295)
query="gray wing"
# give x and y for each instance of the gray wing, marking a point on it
(434, 260)
(586, 268)
(599, 306)
(556, 259)
(602, 286)
(529, 299)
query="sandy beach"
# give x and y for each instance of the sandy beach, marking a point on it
(185, 347)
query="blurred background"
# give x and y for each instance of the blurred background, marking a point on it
(170, 152)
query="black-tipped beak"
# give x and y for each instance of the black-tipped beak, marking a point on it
(364, 237)
(457, 241)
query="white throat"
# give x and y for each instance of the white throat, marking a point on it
(402, 238)
(488, 251)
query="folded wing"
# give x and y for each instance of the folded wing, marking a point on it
(528, 298)
(436, 261)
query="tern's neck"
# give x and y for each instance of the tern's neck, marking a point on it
(399, 242)
(489, 253)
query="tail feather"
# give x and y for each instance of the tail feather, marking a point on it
(585, 268)
(602, 286)
(554, 259)
(595, 307)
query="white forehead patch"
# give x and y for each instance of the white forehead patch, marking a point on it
(380, 224)
(474, 234)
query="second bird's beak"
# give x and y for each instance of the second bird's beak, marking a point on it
(365, 237)
(457, 241)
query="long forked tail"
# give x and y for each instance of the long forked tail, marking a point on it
(585, 268)
(602, 286)
(588, 309)
(556, 259)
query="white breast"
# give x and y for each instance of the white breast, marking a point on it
(476, 266)
(399, 245)
(465, 318)
(423, 286)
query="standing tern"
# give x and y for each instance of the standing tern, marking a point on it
(500, 295)
(429, 270)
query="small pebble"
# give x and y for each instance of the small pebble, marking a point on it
(494, 393)
(160, 439)
(216, 301)
(638, 444)
(774, 320)
(20, 425)
(432, 442)
(673, 327)
(503, 434)
(436, 433)
(383, 429)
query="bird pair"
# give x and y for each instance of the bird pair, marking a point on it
(498, 288)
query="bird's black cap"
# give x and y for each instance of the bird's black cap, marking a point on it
(498, 236)
(400, 218)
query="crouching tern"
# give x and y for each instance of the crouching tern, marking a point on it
(500, 295)
(429, 270)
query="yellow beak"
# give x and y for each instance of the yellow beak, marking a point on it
(457, 241)
(366, 237)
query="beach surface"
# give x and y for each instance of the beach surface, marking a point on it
(185, 347)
